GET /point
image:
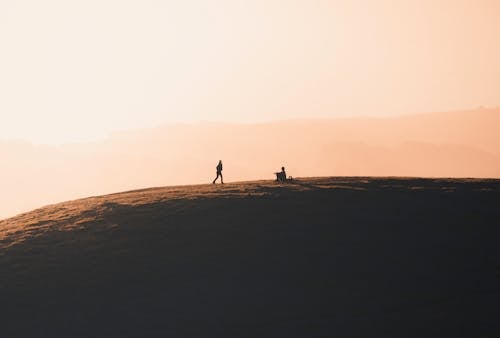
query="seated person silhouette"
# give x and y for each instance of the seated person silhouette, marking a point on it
(281, 176)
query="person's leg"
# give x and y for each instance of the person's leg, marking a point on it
(221, 180)
(218, 174)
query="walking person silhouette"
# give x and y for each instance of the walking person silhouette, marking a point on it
(219, 173)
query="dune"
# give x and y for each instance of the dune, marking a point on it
(317, 257)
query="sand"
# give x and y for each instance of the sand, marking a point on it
(318, 257)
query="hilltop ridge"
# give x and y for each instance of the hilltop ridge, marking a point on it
(446, 144)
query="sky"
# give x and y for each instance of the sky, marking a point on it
(75, 71)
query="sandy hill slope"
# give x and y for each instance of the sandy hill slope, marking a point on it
(318, 257)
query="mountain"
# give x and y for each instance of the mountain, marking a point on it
(449, 144)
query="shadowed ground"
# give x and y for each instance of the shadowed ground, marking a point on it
(346, 257)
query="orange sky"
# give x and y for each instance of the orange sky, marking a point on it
(77, 70)
(73, 71)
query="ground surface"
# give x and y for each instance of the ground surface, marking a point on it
(346, 257)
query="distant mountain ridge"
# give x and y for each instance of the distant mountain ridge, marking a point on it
(448, 144)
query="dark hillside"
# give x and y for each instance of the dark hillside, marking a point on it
(346, 257)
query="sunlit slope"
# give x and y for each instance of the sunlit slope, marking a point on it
(453, 144)
(316, 257)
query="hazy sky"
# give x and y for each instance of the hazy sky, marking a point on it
(75, 70)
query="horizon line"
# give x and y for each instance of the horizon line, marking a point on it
(110, 134)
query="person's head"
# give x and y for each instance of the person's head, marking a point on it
(282, 168)
(220, 161)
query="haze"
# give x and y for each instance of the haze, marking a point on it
(454, 144)
(103, 96)
(78, 70)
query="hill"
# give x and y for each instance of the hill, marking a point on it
(318, 257)
(445, 144)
